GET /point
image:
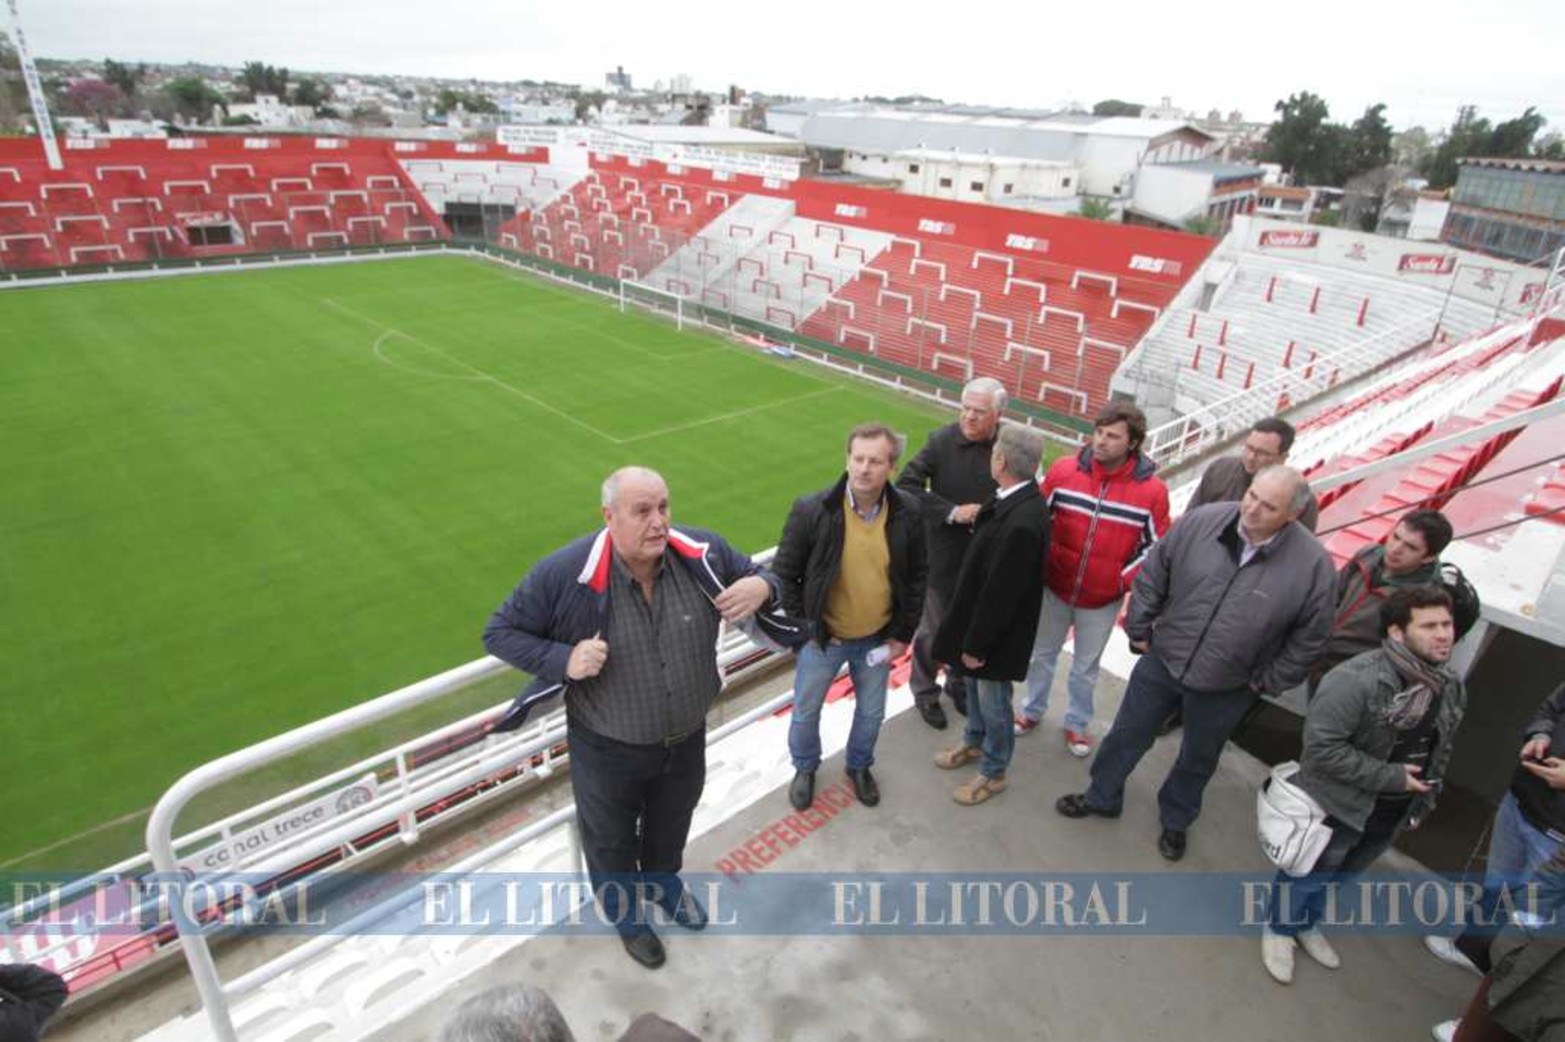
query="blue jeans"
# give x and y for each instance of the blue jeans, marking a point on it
(1093, 628)
(1516, 848)
(817, 668)
(1298, 904)
(1153, 693)
(989, 725)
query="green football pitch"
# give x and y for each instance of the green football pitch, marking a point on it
(236, 503)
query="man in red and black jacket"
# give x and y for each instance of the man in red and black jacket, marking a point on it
(1107, 509)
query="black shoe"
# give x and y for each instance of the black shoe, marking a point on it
(645, 948)
(958, 701)
(864, 786)
(687, 911)
(1171, 844)
(802, 792)
(1076, 806)
(933, 715)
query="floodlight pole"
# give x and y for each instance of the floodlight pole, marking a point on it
(51, 147)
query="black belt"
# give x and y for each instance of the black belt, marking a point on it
(668, 741)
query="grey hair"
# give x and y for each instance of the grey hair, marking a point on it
(1299, 493)
(508, 1013)
(1022, 449)
(990, 386)
(612, 482)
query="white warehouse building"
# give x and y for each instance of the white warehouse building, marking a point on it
(969, 177)
(1107, 150)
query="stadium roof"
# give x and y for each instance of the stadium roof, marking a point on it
(955, 156)
(1532, 166)
(885, 129)
(681, 135)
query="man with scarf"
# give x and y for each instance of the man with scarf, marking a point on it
(1377, 738)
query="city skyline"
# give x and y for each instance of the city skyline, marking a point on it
(816, 50)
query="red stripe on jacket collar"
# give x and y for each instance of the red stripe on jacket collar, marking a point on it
(595, 573)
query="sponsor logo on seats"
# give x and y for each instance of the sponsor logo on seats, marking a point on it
(1290, 239)
(936, 227)
(845, 210)
(1154, 265)
(1427, 263)
(1027, 242)
(1531, 292)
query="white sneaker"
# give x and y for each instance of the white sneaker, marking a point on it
(1277, 955)
(1079, 743)
(1444, 1031)
(1318, 948)
(1445, 949)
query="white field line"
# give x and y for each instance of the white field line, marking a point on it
(380, 341)
(479, 373)
(730, 415)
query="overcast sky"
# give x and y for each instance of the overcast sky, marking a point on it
(1423, 60)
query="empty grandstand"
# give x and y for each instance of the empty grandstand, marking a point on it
(1414, 374)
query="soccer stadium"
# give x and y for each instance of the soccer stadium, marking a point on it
(285, 417)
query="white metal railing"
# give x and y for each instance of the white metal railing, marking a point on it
(735, 649)
(1196, 432)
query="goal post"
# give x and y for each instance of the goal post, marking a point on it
(653, 299)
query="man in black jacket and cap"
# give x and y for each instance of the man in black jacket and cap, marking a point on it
(951, 476)
(993, 619)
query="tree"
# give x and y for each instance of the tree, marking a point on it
(586, 101)
(94, 99)
(1204, 224)
(471, 101)
(259, 78)
(1115, 107)
(1296, 140)
(1514, 136)
(311, 92)
(191, 98)
(369, 116)
(1369, 143)
(128, 80)
(1096, 209)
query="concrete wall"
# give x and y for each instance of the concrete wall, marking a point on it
(1172, 193)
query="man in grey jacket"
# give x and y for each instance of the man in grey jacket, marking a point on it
(1377, 738)
(1233, 602)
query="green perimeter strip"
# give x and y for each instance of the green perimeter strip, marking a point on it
(577, 275)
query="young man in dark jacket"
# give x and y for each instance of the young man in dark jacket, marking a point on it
(1377, 738)
(852, 563)
(623, 623)
(1233, 602)
(950, 476)
(988, 632)
(1410, 556)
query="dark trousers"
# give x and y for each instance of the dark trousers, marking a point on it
(633, 807)
(925, 669)
(1153, 693)
(1299, 903)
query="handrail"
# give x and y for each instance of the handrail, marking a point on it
(1187, 435)
(160, 844)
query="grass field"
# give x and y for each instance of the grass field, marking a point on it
(237, 503)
